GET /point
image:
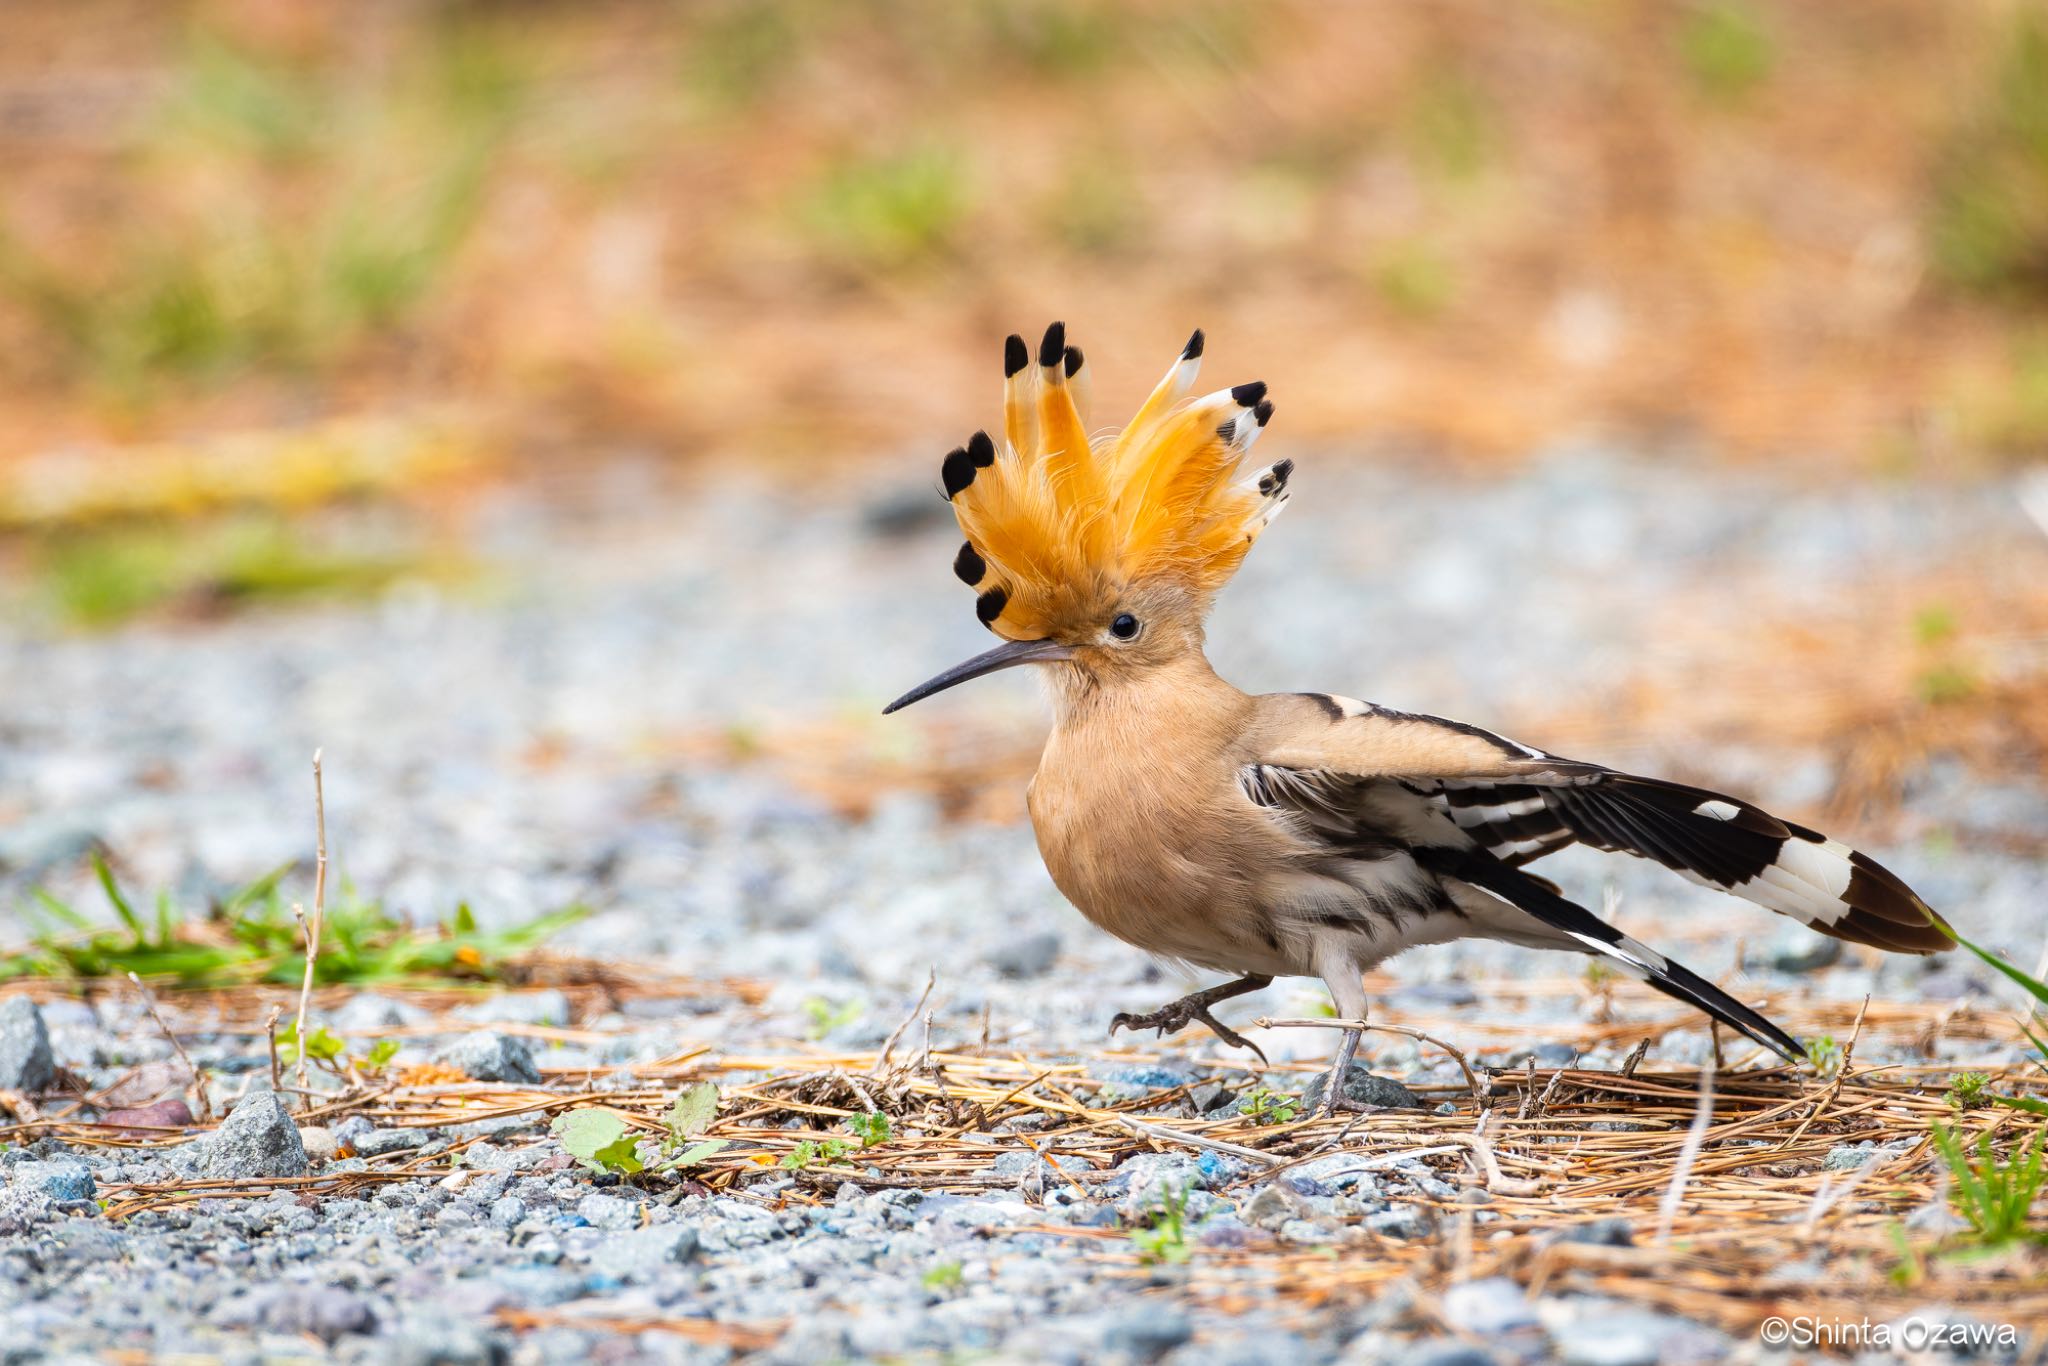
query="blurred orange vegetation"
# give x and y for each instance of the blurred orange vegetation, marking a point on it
(798, 228)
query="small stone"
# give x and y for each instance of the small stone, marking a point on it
(489, 1056)
(1486, 1308)
(608, 1211)
(1147, 1332)
(1798, 949)
(1026, 955)
(507, 1211)
(64, 1178)
(351, 1130)
(1273, 1206)
(1449, 1354)
(25, 1060)
(1135, 1081)
(322, 1311)
(320, 1144)
(164, 1114)
(258, 1139)
(1622, 1340)
(1363, 1088)
(377, 1142)
(1600, 1233)
(642, 1253)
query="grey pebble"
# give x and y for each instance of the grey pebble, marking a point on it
(377, 1142)
(1795, 948)
(1363, 1088)
(258, 1139)
(25, 1060)
(1489, 1307)
(1026, 955)
(490, 1056)
(60, 1179)
(644, 1253)
(1148, 1331)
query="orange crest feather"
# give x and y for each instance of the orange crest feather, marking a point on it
(1057, 525)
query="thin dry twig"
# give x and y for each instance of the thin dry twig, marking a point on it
(889, 1044)
(270, 1033)
(313, 932)
(198, 1077)
(1471, 1078)
(1162, 1134)
(1688, 1153)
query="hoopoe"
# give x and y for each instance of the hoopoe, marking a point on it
(1300, 834)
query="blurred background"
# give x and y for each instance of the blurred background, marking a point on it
(532, 403)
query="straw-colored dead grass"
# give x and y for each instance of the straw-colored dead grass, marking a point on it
(1756, 1228)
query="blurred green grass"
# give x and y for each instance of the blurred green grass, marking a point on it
(100, 576)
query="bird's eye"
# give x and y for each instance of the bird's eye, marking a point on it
(1124, 627)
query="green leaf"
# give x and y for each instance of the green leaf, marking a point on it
(599, 1139)
(692, 1110)
(695, 1153)
(465, 919)
(2031, 1104)
(870, 1128)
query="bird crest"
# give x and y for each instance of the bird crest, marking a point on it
(1059, 524)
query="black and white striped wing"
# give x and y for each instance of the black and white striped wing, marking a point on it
(1713, 839)
(1520, 804)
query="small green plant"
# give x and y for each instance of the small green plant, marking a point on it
(808, 1154)
(1996, 1198)
(870, 1128)
(321, 1046)
(1262, 1106)
(688, 1115)
(599, 1139)
(944, 1276)
(1824, 1054)
(1966, 1090)
(378, 1058)
(1166, 1239)
(823, 1017)
(1598, 974)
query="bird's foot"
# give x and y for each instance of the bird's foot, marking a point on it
(1177, 1015)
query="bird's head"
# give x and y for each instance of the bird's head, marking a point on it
(1103, 554)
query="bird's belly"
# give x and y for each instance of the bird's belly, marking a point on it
(1161, 880)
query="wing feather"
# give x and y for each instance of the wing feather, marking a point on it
(1519, 804)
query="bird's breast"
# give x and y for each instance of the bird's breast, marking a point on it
(1160, 849)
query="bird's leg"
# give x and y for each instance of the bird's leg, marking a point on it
(1178, 1014)
(1345, 979)
(1334, 1098)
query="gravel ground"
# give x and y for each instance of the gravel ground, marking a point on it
(537, 739)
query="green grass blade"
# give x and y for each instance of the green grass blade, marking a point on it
(2034, 986)
(60, 910)
(113, 890)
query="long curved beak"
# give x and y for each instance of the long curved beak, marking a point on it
(1007, 655)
